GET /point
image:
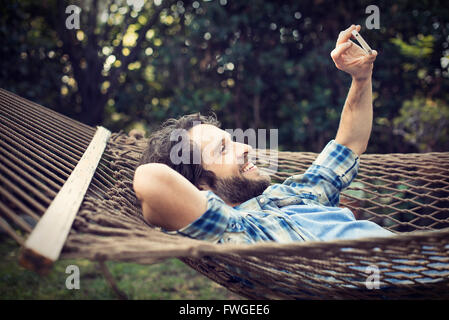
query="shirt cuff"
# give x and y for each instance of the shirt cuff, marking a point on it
(211, 225)
(341, 160)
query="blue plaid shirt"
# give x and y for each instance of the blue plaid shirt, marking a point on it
(303, 208)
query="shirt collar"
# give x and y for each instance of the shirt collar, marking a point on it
(256, 203)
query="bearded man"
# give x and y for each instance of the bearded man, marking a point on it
(225, 198)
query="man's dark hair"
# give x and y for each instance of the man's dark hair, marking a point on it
(160, 146)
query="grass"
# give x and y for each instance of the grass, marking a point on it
(169, 280)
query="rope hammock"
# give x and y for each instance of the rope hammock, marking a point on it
(405, 193)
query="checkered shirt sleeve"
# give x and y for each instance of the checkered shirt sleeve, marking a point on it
(332, 172)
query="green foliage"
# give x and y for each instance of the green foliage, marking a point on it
(255, 63)
(424, 123)
(421, 47)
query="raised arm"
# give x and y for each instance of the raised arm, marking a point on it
(357, 115)
(337, 165)
(168, 199)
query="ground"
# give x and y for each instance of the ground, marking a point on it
(171, 279)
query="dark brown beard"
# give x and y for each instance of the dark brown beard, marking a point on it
(236, 190)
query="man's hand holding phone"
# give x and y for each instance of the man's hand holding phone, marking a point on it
(350, 57)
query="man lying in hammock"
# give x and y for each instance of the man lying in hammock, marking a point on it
(232, 201)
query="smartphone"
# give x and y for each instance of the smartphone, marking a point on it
(362, 42)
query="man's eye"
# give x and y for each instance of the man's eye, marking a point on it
(223, 147)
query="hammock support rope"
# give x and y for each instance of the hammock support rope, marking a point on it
(405, 193)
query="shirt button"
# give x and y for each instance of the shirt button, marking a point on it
(262, 200)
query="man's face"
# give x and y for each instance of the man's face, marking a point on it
(238, 179)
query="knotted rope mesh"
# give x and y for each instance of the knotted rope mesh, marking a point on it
(405, 193)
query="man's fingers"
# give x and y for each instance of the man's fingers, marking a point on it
(338, 51)
(371, 57)
(346, 34)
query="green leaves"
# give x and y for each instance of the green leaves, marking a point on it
(254, 62)
(424, 123)
(419, 47)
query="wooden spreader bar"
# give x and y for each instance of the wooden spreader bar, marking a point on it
(45, 243)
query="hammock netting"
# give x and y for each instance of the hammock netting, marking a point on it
(405, 193)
